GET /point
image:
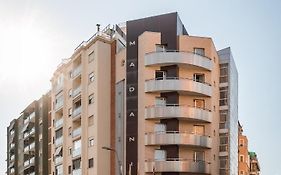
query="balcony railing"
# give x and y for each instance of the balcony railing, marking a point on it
(29, 133)
(182, 85)
(59, 104)
(178, 57)
(29, 118)
(178, 138)
(77, 71)
(76, 152)
(12, 157)
(76, 91)
(77, 172)
(58, 160)
(58, 123)
(76, 132)
(59, 141)
(29, 162)
(77, 111)
(184, 112)
(178, 165)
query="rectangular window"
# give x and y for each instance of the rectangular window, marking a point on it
(160, 101)
(69, 112)
(91, 142)
(70, 93)
(91, 163)
(160, 154)
(198, 156)
(76, 164)
(199, 103)
(91, 56)
(161, 47)
(241, 158)
(199, 51)
(91, 120)
(160, 75)
(69, 169)
(91, 99)
(199, 77)
(199, 129)
(241, 142)
(91, 77)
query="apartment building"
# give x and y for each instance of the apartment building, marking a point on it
(228, 124)
(27, 141)
(244, 158)
(144, 97)
(254, 164)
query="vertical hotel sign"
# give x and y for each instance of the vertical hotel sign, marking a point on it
(132, 103)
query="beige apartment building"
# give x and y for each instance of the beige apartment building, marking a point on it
(144, 98)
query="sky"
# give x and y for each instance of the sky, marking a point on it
(36, 35)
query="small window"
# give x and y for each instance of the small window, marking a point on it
(91, 142)
(241, 158)
(91, 163)
(199, 103)
(91, 56)
(69, 169)
(198, 156)
(199, 51)
(241, 142)
(69, 131)
(199, 129)
(69, 151)
(161, 47)
(91, 99)
(91, 120)
(160, 75)
(69, 112)
(199, 78)
(91, 77)
(70, 93)
(123, 62)
(70, 74)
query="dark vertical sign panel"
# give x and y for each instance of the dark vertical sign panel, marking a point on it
(167, 25)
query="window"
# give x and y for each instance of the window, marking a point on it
(199, 77)
(69, 131)
(91, 77)
(161, 47)
(160, 101)
(91, 56)
(69, 151)
(160, 75)
(69, 169)
(123, 62)
(91, 98)
(91, 120)
(91, 163)
(91, 142)
(76, 164)
(199, 51)
(241, 142)
(241, 172)
(70, 93)
(199, 103)
(159, 127)
(69, 112)
(198, 156)
(160, 154)
(199, 129)
(241, 158)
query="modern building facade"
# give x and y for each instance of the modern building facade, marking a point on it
(228, 125)
(244, 159)
(27, 138)
(143, 98)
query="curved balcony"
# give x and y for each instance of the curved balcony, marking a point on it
(182, 85)
(178, 165)
(178, 138)
(180, 58)
(182, 112)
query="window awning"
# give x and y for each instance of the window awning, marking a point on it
(58, 150)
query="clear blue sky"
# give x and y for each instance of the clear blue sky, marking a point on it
(36, 35)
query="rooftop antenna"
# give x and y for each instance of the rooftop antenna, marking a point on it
(98, 27)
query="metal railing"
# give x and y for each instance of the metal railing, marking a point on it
(76, 132)
(76, 111)
(77, 71)
(58, 141)
(76, 91)
(76, 152)
(58, 123)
